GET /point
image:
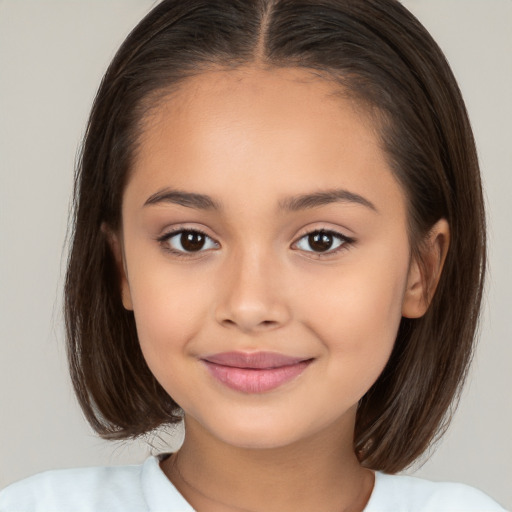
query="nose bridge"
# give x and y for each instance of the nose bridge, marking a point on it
(252, 296)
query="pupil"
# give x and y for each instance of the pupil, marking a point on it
(192, 240)
(320, 242)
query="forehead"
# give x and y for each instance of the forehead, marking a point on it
(286, 127)
(265, 98)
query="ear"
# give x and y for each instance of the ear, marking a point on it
(424, 275)
(115, 242)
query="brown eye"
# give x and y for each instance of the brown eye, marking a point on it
(322, 241)
(192, 241)
(188, 241)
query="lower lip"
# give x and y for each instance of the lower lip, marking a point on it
(248, 380)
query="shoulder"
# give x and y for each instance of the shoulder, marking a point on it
(83, 489)
(394, 493)
(136, 488)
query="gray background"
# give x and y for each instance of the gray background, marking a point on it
(52, 56)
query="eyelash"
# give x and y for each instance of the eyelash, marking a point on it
(344, 241)
(164, 241)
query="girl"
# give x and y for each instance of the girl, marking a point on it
(279, 240)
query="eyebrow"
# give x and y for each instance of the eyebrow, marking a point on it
(295, 203)
(188, 199)
(322, 198)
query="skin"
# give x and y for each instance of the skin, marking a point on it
(250, 140)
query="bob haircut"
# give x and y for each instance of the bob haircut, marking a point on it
(384, 59)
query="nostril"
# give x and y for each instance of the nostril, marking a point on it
(251, 314)
(264, 324)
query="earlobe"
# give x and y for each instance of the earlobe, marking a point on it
(424, 275)
(116, 246)
(125, 294)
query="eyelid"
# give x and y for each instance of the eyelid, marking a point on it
(172, 232)
(347, 242)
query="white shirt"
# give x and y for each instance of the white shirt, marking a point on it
(145, 488)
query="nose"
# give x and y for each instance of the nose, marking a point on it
(252, 295)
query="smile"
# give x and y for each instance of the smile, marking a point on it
(255, 372)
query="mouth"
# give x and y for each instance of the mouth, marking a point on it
(255, 372)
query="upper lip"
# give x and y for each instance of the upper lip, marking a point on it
(254, 360)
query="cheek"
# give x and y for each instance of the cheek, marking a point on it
(357, 313)
(168, 315)
(170, 308)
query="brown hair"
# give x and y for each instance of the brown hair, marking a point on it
(382, 55)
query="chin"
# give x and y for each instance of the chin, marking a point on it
(259, 440)
(263, 433)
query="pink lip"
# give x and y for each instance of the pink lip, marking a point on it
(254, 372)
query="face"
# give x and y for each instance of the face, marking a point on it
(265, 254)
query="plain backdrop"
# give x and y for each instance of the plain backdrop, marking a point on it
(52, 57)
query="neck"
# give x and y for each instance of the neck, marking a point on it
(318, 473)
